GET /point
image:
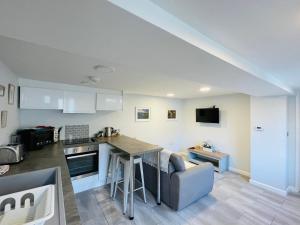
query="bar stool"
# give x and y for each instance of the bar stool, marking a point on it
(111, 168)
(125, 161)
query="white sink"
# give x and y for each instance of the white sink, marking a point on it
(30, 207)
(48, 184)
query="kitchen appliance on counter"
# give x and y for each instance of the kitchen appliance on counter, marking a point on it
(10, 154)
(36, 138)
(82, 156)
(110, 131)
(56, 134)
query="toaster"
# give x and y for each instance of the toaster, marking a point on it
(10, 154)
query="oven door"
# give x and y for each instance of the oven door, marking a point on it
(83, 164)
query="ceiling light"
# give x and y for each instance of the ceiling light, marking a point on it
(104, 69)
(94, 79)
(205, 89)
(84, 82)
(170, 95)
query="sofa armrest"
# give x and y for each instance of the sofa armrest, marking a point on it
(190, 185)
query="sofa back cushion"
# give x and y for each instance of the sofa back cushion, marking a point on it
(178, 162)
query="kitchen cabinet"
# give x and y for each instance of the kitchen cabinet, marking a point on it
(41, 98)
(104, 150)
(109, 102)
(79, 102)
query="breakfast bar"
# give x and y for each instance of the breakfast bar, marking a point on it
(134, 147)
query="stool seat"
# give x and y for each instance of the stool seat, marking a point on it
(125, 161)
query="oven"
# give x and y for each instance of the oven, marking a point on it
(82, 161)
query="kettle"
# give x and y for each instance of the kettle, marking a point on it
(108, 131)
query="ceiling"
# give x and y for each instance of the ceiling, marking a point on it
(61, 41)
(263, 32)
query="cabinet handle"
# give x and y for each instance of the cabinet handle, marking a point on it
(81, 156)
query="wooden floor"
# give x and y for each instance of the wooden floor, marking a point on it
(233, 201)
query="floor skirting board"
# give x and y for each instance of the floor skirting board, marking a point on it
(269, 188)
(241, 172)
(292, 189)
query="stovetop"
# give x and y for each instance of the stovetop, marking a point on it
(77, 141)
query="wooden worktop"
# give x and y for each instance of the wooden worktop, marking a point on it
(216, 155)
(130, 145)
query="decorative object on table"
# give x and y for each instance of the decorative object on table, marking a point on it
(11, 94)
(172, 114)
(3, 119)
(142, 114)
(208, 147)
(2, 90)
(4, 169)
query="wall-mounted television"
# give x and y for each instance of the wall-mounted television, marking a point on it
(208, 115)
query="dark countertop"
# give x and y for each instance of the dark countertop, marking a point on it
(53, 156)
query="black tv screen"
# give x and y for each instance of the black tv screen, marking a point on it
(207, 115)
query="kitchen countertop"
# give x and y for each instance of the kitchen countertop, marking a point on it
(130, 145)
(53, 156)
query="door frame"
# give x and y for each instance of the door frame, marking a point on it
(297, 167)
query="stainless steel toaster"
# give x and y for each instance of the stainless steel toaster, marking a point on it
(10, 154)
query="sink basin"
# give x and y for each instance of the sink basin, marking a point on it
(43, 181)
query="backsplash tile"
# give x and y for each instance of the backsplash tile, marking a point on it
(76, 131)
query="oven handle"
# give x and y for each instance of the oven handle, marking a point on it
(80, 156)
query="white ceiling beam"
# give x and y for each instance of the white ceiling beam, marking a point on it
(155, 15)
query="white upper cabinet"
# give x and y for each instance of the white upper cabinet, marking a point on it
(109, 101)
(41, 98)
(79, 102)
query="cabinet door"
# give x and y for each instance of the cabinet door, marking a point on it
(79, 102)
(41, 98)
(113, 102)
(104, 150)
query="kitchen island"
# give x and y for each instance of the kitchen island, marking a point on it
(53, 156)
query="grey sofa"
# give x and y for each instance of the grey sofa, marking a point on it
(180, 189)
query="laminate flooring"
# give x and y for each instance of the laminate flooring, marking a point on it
(232, 201)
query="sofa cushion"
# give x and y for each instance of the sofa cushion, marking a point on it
(178, 162)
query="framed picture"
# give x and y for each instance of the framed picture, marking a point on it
(2, 90)
(3, 119)
(142, 114)
(11, 94)
(172, 114)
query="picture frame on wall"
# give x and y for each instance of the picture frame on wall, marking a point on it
(142, 114)
(2, 90)
(172, 114)
(3, 119)
(11, 94)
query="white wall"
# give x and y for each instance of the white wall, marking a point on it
(291, 139)
(6, 77)
(231, 136)
(269, 147)
(157, 131)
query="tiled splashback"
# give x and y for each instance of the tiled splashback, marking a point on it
(76, 131)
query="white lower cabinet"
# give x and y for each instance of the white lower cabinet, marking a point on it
(85, 184)
(104, 150)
